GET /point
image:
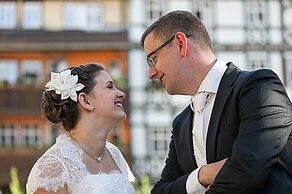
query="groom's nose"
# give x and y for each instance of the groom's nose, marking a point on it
(152, 73)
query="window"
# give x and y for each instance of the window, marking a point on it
(55, 66)
(256, 21)
(31, 15)
(257, 60)
(159, 140)
(7, 15)
(203, 10)
(155, 9)
(8, 71)
(257, 36)
(94, 16)
(83, 16)
(8, 134)
(256, 13)
(31, 71)
(257, 64)
(31, 134)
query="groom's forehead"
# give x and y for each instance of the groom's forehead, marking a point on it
(151, 42)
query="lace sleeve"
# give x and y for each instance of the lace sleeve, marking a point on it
(48, 173)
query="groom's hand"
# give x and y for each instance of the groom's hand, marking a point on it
(207, 173)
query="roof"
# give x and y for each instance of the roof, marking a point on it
(36, 40)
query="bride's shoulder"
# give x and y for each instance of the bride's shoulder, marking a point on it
(57, 166)
(48, 173)
(110, 145)
(120, 160)
(113, 149)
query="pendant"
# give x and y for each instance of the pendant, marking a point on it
(99, 159)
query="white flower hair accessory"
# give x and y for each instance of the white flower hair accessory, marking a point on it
(65, 84)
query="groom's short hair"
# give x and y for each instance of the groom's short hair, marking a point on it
(179, 21)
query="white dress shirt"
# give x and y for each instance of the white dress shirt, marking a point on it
(210, 85)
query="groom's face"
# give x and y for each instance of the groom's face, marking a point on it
(166, 63)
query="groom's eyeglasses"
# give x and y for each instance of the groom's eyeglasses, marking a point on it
(150, 61)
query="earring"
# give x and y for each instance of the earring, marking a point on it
(91, 107)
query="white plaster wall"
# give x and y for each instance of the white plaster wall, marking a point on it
(289, 92)
(158, 118)
(276, 64)
(136, 18)
(135, 33)
(137, 76)
(229, 36)
(236, 57)
(179, 5)
(288, 16)
(275, 36)
(137, 97)
(274, 18)
(138, 141)
(137, 68)
(229, 12)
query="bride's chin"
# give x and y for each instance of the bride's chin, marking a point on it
(121, 117)
(124, 116)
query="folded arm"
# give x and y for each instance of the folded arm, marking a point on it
(264, 128)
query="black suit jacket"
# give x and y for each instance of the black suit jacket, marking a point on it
(251, 122)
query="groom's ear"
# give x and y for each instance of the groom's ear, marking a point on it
(182, 43)
(84, 102)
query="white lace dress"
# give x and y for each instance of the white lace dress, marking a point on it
(63, 164)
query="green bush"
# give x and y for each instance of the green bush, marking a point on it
(14, 186)
(142, 185)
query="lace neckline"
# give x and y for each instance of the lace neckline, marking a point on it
(115, 171)
(67, 139)
(63, 164)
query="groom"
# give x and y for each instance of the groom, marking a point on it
(236, 134)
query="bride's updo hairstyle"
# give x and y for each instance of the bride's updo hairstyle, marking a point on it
(66, 111)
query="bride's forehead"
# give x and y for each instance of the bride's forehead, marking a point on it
(103, 77)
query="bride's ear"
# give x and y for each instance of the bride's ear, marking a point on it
(84, 102)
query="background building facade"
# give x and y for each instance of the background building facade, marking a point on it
(41, 36)
(36, 38)
(252, 34)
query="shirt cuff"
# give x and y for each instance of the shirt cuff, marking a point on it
(193, 185)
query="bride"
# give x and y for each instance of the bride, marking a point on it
(89, 105)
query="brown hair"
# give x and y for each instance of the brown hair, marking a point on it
(180, 21)
(66, 111)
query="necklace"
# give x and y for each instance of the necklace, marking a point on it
(98, 159)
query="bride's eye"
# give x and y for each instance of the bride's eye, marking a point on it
(110, 86)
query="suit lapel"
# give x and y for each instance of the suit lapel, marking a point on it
(189, 142)
(224, 90)
(185, 141)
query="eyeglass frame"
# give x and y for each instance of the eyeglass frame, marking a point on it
(150, 61)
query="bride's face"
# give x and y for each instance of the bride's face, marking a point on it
(106, 98)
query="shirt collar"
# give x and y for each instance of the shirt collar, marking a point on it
(212, 80)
